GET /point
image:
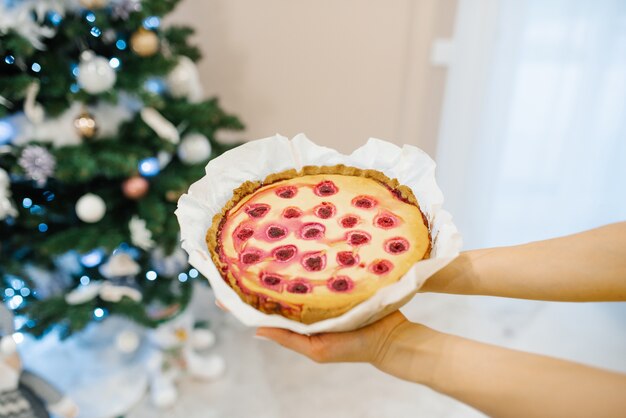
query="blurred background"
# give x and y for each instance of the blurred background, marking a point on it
(521, 103)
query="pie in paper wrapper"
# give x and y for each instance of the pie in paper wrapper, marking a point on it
(299, 236)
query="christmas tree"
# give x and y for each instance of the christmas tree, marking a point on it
(102, 127)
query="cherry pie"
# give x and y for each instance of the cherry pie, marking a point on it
(311, 245)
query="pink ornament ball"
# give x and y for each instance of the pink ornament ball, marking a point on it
(135, 187)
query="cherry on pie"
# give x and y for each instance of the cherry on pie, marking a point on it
(311, 245)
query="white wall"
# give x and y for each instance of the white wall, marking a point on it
(339, 71)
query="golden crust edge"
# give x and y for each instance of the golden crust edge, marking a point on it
(308, 315)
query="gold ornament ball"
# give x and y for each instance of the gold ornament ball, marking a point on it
(172, 195)
(135, 187)
(85, 125)
(94, 4)
(144, 42)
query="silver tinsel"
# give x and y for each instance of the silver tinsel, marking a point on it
(38, 164)
(121, 9)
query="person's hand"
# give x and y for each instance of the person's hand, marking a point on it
(393, 344)
(368, 344)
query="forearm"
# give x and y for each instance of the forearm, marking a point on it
(501, 382)
(507, 383)
(589, 266)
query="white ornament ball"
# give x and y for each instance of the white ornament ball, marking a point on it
(164, 158)
(194, 148)
(95, 75)
(163, 392)
(184, 81)
(127, 341)
(211, 367)
(203, 339)
(90, 208)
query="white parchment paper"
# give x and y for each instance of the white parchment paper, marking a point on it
(257, 159)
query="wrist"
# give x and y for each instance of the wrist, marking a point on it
(412, 352)
(460, 276)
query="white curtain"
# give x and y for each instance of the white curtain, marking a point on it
(532, 145)
(533, 133)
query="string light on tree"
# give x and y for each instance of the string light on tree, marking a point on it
(92, 258)
(95, 32)
(151, 22)
(149, 167)
(85, 125)
(144, 42)
(90, 208)
(99, 314)
(55, 18)
(95, 74)
(15, 302)
(115, 63)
